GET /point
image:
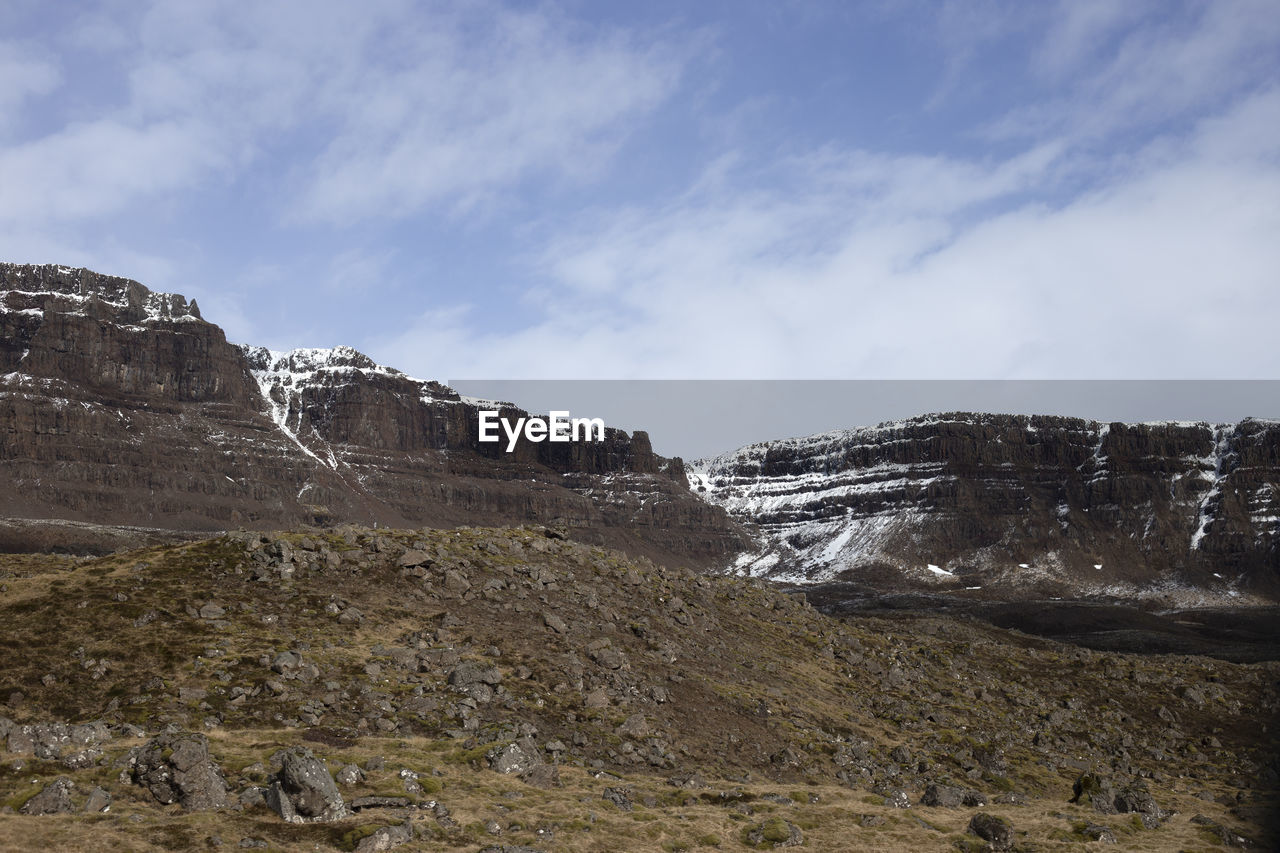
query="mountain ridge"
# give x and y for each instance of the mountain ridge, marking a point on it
(956, 496)
(123, 406)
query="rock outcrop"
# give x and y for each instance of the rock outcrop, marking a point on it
(178, 769)
(304, 790)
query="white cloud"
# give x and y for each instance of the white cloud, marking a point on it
(1080, 29)
(24, 74)
(304, 112)
(870, 266)
(1178, 63)
(383, 109)
(92, 169)
(436, 128)
(1122, 225)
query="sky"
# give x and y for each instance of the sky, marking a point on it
(727, 189)
(698, 419)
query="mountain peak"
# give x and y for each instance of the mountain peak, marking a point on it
(38, 287)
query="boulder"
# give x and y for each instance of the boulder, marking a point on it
(471, 672)
(542, 776)
(386, 838)
(634, 727)
(1095, 790)
(303, 789)
(895, 798)
(1224, 835)
(376, 802)
(55, 798)
(177, 769)
(994, 830)
(212, 610)
(518, 757)
(1134, 798)
(607, 656)
(99, 801)
(286, 662)
(1099, 833)
(620, 797)
(942, 796)
(350, 774)
(55, 741)
(412, 558)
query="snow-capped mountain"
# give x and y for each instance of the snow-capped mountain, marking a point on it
(968, 500)
(123, 406)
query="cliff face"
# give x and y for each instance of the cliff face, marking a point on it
(1057, 504)
(123, 406)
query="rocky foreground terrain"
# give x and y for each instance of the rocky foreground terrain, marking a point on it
(512, 689)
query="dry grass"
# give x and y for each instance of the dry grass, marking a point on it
(577, 818)
(821, 682)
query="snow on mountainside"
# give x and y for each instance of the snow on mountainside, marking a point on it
(284, 377)
(123, 406)
(964, 499)
(31, 290)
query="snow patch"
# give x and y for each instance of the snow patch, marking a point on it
(1204, 512)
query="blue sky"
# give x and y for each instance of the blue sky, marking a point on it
(777, 189)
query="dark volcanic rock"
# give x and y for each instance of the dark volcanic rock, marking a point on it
(1222, 833)
(1099, 833)
(386, 838)
(178, 769)
(619, 796)
(304, 790)
(55, 798)
(519, 757)
(1136, 799)
(99, 801)
(1095, 790)
(994, 830)
(942, 796)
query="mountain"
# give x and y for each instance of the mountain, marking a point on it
(1041, 505)
(121, 406)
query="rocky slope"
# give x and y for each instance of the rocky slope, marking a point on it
(1045, 505)
(467, 689)
(123, 406)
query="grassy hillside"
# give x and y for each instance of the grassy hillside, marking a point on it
(724, 713)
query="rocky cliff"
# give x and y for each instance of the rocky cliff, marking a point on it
(1055, 505)
(123, 406)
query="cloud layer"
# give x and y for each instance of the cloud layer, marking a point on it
(1080, 189)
